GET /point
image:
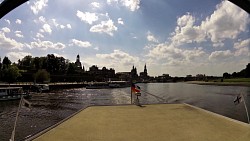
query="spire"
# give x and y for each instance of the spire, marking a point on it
(145, 70)
(78, 58)
(78, 62)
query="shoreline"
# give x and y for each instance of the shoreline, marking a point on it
(244, 84)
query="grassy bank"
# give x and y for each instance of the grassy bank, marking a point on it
(226, 82)
(237, 80)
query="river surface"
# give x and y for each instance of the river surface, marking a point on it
(50, 108)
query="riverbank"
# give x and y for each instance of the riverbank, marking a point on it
(245, 84)
(68, 85)
(52, 86)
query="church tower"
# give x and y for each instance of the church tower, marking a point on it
(145, 71)
(78, 62)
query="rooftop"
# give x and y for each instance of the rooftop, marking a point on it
(160, 122)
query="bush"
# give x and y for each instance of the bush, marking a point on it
(42, 76)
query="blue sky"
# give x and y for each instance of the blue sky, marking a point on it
(172, 37)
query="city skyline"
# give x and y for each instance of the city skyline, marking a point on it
(208, 37)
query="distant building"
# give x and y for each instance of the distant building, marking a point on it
(123, 76)
(78, 62)
(144, 74)
(103, 74)
(200, 77)
(164, 78)
(134, 74)
(189, 78)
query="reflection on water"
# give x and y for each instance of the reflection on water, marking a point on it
(49, 108)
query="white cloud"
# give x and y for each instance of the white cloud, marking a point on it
(49, 24)
(18, 21)
(9, 43)
(112, 1)
(68, 26)
(151, 38)
(44, 45)
(220, 55)
(38, 5)
(242, 44)
(218, 44)
(185, 20)
(242, 47)
(39, 35)
(62, 26)
(171, 53)
(96, 48)
(47, 28)
(193, 53)
(104, 27)
(95, 4)
(186, 32)
(119, 58)
(79, 43)
(15, 56)
(120, 21)
(8, 21)
(19, 34)
(242, 51)
(55, 23)
(6, 29)
(227, 21)
(87, 17)
(42, 19)
(132, 5)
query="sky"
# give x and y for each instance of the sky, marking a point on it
(175, 37)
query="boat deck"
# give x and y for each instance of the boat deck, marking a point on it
(160, 122)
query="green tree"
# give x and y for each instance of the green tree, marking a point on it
(27, 62)
(51, 63)
(42, 76)
(0, 64)
(247, 70)
(44, 62)
(72, 68)
(11, 74)
(37, 63)
(61, 65)
(226, 75)
(6, 62)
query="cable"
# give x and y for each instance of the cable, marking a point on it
(154, 96)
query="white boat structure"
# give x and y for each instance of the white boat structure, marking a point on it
(157, 122)
(41, 87)
(12, 93)
(107, 85)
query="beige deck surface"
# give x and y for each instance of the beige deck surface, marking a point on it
(164, 122)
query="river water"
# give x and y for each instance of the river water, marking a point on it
(50, 108)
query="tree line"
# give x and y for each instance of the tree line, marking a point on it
(40, 69)
(244, 73)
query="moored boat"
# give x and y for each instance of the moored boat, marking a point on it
(100, 85)
(40, 88)
(107, 85)
(12, 93)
